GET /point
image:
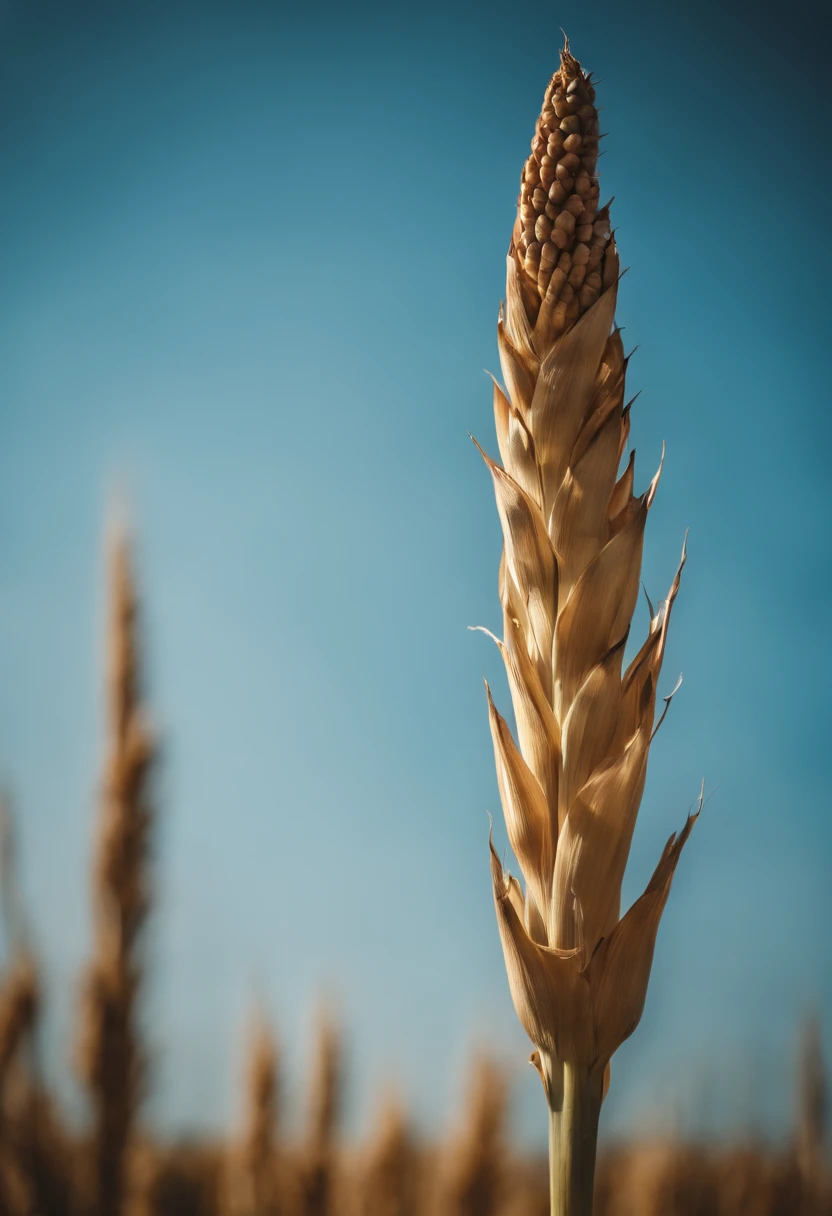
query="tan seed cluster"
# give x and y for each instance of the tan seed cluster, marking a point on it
(562, 240)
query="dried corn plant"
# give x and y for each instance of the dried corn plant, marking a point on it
(253, 1179)
(19, 985)
(812, 1101)
(36, 1174)
(569, 580)
(110, 1055)
(19, 996)
(388, 1182)
(319, 1156)
(186, 1180)
(474, 1183)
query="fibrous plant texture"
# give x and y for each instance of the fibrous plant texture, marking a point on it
(111, 1059)
(573, 531)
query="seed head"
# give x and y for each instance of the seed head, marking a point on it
(562, 243)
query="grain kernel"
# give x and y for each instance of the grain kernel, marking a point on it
(556, 283)
(559, 317)
(542, 228)
(548, 256)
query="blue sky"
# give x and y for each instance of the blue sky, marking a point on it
(252, 257)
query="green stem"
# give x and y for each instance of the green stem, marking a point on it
(573, 1136)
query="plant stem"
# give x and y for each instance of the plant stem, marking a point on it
(573, 1135)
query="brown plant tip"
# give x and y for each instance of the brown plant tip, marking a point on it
(111, 1057)
(562, 241)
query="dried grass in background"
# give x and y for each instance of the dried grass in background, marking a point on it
(111, 1059)
(390, 1182)
(319, 1157)
(253, 1182)
(476, 1159)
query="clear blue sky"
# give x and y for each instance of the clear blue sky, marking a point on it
(252, 257)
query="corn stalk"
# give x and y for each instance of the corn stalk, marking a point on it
(573, 532)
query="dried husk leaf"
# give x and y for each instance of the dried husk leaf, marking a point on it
(579, 524)
(551, 995)
(518, 329)
(598, 611)
(516, 445)
(530, 562)
(623, 492)
(565, 386)
(589, 727)
(619, 970)
(524, 808)
(537, 730)
(518, 376)
(638, 694)
(593, 847)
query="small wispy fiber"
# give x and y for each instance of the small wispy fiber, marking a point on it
(111, 1059)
